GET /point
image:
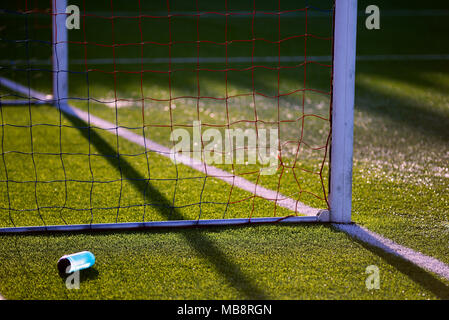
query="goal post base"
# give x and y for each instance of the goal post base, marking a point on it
(321, 218)
(324, 216)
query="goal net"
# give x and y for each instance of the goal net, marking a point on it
(134, 114)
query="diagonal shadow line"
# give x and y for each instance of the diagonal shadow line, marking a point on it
(404, 111)
(204, 246)
(424, 278)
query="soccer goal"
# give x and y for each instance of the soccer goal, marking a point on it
(135, 114)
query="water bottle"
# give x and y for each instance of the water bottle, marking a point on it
(75, 262)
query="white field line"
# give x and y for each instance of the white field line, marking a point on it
(387, 245)
(207, 60)
(363, 234)
(209, 170)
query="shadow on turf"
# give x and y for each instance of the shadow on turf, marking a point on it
(418, 115)
(405, 111)
(417, 274)
(204, 246)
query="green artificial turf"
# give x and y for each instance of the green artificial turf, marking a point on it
(57, 171)
(266, 262)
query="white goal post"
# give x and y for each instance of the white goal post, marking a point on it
(345, 35)
(342, 126)
(60, 56)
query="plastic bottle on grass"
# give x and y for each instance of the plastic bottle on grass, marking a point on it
(76, 262)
